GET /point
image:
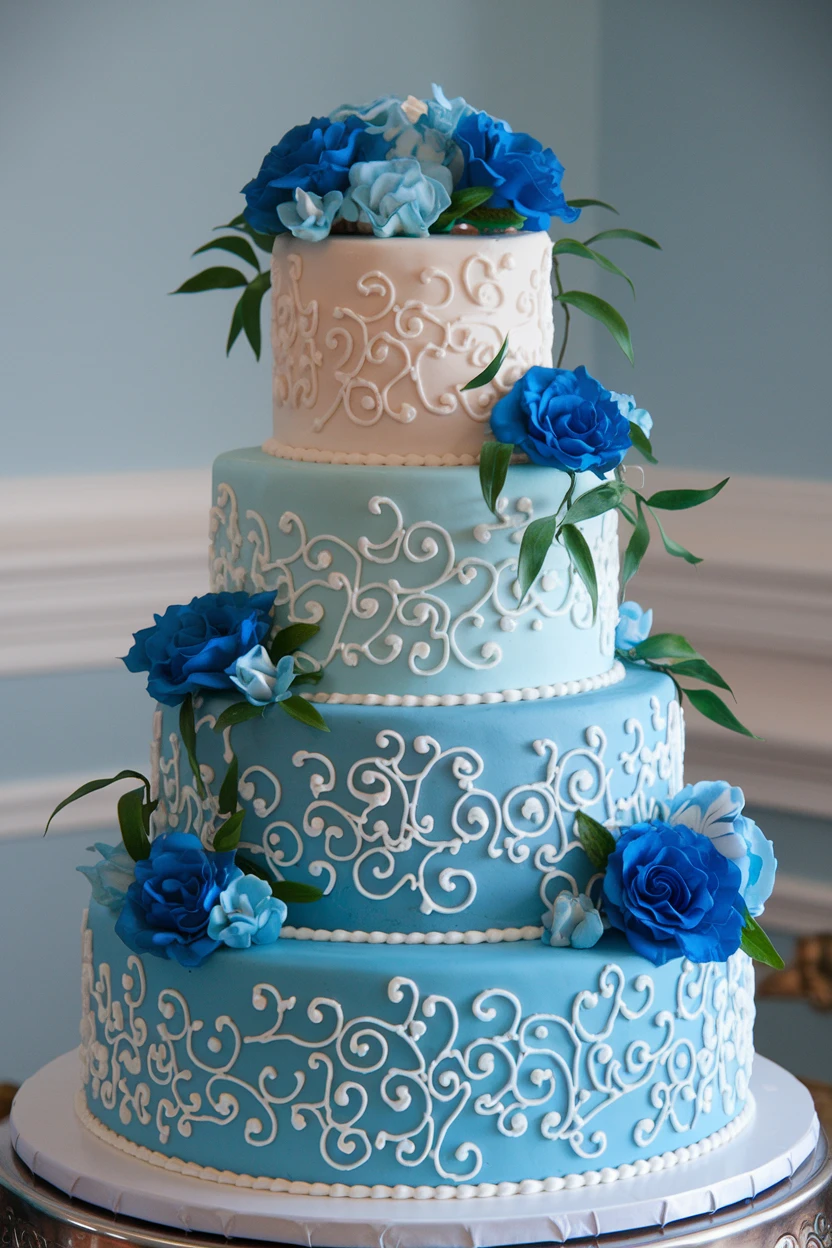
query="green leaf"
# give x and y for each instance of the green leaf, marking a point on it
(632, 235)
(641, 442)
(582, 561)
(131, 821)
(495, 458)
(462, 202)
(187, 731)
(239, 247)
(250, 302)
(571, 247)
(595, 502)
(664, 646)
(537, 538)
(227, 836)
(294, 893)
(712, 707)
(228, 791)
(627, 513)
(289, 639)
(219, 278)
(698, 669)
(597, 841)
(636, 547)
(264, 241)
(758, 946)
(490, 371)
(604, 312)
(592, 203)
(306, 678)
(672, 547)
(305, 712)
(489, 218)
(92, 786)
(681, 500)
(236, 327)
(237, 713)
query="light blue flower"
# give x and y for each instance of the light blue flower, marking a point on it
(444, 114)
(308, 216)
(246, 914)
(634, 624)
(573, 921)
(627, 407)
(714, 809)
(397, 197)
(260, 680)
(111, 877)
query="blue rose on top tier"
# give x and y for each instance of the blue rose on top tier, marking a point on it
(525, 175)
(168, 907)
(397, 197)
(190, 647)
(673, 894)
(563, 419)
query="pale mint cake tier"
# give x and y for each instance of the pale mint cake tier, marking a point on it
(427, 1067)
(410, 577)
(418, 820)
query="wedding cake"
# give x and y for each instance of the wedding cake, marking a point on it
(414, 901)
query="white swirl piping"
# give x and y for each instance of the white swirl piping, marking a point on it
(491, 936)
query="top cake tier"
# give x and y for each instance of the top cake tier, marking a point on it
(375, 339)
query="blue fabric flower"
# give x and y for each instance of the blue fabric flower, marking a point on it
(563, 419)
(190, 647)
(629, 410)
(573, 921)
(673, 894)
(168, 906)
(525, 175)
(634, 624)
(260, 680)
(246, 914)
(714, 809)
(111, 877)
(315, 157)
(308, 216)
(397, 197)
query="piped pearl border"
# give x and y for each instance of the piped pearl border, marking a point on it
(531, 694)
(491, 936)
(311, 455)
(402, 1191)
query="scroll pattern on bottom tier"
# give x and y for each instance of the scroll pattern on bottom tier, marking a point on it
(376, 828)
(554, 1075)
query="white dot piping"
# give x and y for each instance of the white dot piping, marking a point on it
(491, 936)
(311, 455)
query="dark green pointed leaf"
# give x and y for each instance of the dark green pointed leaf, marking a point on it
(537, 538)
(592, 203)
(187, 731)
(250, 309)
(236, 327)
(712, 707)
(219, 278)
(628, 514)
(306, 678)
(571, 247)
(462, 202)
(250, 867)
(672, 547)
(758, 946)
(289, 639)
(227, 836)
(228, 791)
(636, 547)
(495, 458)
(294, 893)
(490, 371)
(664, 646)
(239, 247)
(682, 500)
(304, 711)
(602, 311)
(264, 241)
(641, 442)
(488, 218)
(581, 558)
(237, 713)
(131, 821)
(632, 235)
(595, 502)
(698, 669)
(597, 841)
(92, 786)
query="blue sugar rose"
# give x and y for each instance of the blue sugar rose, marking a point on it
(444, 114)
(525, 175)
(634, 624)
(315, 157)
(168, 906)
(714, 809)
(246, 914)
(260, 680)
(308, 216)
(673, 894)
(574, 921)
(111, 877)
(411, 128)
(563, 419)
(630, 411)
(190, 647)
(397, 197)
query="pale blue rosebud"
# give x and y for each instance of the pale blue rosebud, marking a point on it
(247, 914)
(574, 921)
(260, 680)
(634, 624)
(111, 877)
(308, 216)
(627, 407)
(397, 197)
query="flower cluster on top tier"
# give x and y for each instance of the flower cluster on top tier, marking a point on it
(396, 166)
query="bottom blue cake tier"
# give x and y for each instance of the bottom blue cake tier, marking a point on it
(335, 1069)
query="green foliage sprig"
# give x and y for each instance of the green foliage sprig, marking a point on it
(134, 810)
(470, 206)
(285, 641)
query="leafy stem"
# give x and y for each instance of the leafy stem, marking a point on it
(567, 316)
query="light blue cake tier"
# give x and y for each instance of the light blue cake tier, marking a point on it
(410, 577)
(429, 1070)
(419, 820)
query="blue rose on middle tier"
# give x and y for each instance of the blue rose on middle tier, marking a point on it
(563, 419)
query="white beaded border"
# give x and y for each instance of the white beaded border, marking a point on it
(491, 936)
(402, 1191)
(530, 694)
(311, 455)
